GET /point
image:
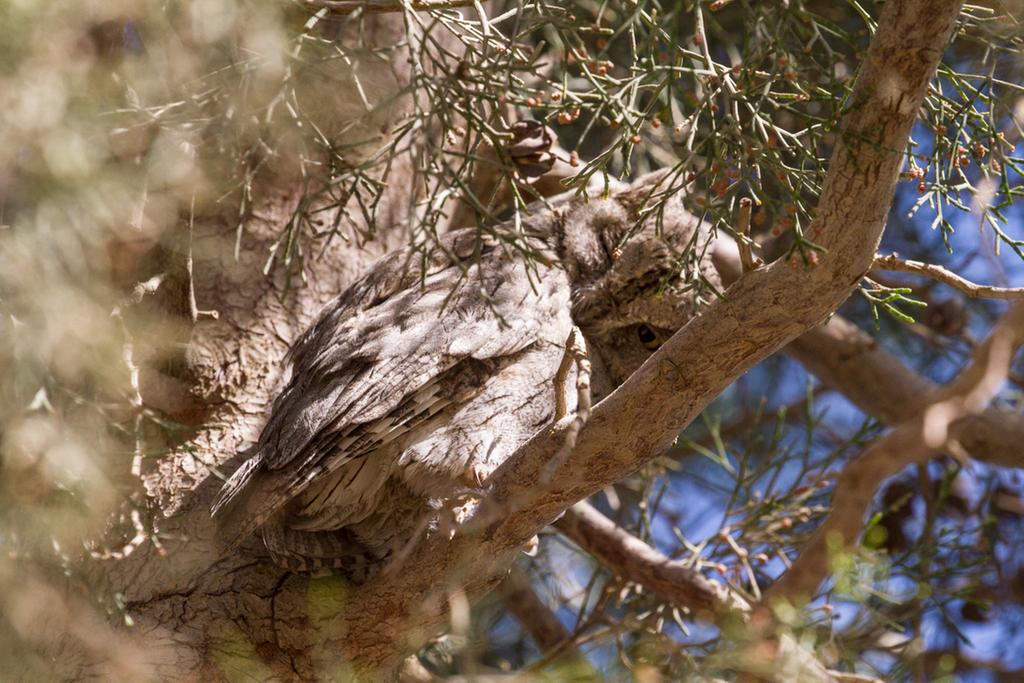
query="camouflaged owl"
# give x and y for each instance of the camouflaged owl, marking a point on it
(429, 372)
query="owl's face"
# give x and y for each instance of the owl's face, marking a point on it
(632, 292)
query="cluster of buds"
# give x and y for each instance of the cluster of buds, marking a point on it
(538, 100)
(565, 116)
(960, 158)
(782, 225)
(915, 172)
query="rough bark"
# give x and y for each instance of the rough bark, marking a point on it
(200, 615)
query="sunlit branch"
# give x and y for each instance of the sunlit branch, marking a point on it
(975, 291)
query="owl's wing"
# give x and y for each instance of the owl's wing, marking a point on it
(378, 354)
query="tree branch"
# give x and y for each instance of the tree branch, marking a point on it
(947, 277)
(632, 559)
(912, 442)
(845, 357)
(551, 638)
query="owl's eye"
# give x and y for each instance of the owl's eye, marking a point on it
(648, 337)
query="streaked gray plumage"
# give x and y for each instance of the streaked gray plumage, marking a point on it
(430, 371)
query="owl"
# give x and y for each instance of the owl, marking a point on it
(425, 375)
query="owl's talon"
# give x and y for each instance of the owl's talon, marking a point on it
(476, 476)
(532, 546)
(575, 352)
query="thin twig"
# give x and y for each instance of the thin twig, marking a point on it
(747, 258)
(561, 376)
(193, 310)
(139, 291)
(128, 548)
(974, 291)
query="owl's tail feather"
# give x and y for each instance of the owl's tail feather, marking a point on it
(248, 499)
(321, 552)
(234, 485)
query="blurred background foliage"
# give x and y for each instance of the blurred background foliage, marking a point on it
(120, 122)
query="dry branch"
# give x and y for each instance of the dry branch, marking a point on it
(970, 289)
(537, 619)
(848, 359)
(634, 560)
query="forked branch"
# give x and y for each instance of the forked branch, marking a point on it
(912, 442)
